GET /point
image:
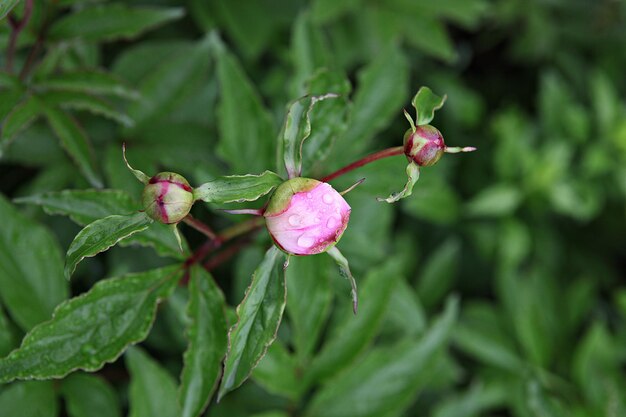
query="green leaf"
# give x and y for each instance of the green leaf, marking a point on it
(237, 188)
(357, 332)
(246, 128)
(91, 329)
(438, 273)
(494, 201)
(310, 295)
(29, 399)
(384, 383)
(89, 82)
(8, 334)
(89, 396)
(425, 103)
(100, 235)
(413, 174)
(9, 99)
(259, 316)
(169, 83)
(207, 333)
(87, 206)
(473, 402)
(74, 139)
(297, 129)
(329, 118)
(277, 372)
(111, 22)
(381, 92)
(152, 388)
(344, 269)
(76, 100)
(309, 51)
(31, 268)
(18, 119)
(6, 6)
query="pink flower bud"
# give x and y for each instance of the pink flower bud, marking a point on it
(167, 198)
(306, 216)
(425, 146)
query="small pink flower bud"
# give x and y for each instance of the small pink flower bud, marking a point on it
(425, 146)
(306, 216)
(167, 198)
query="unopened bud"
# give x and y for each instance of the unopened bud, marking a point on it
(305, 216)
(425, 146)
(167, 198)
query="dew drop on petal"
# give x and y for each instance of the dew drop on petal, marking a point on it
(294, 220)
(328, 198)
(305, 241)
(331, 223)
(309, 195)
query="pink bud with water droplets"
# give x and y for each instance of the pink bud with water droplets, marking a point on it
(305, 216)
(167, 197)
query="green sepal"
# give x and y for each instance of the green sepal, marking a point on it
(413, 174)
(237, 188)
(425, 103)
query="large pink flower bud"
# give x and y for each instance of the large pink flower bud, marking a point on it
(167, 198)
(306, 216)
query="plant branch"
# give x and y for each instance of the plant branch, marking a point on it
(16, 29)
(398, 150)
(200, 226)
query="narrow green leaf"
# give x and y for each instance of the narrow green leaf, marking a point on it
(89, 396)
(29, 399)
(385, 382)
(344, 268)
(31, 268)
(237, 188)
(152, 388)
(310, 295)
(91, 329)
(357, 331)
(329, 118)
(309, 51)
(100, 235)
(246, 128)
(18, 119)
(207, 333)
(259, 316)
(425, 103)
(87, 206)
(9, 99)
(496, 200)
(77, 100)
(75, 142)
(381, 92)
(90, 82)
(6, 6)
(413, 174)
(474, 402)
(174, 79)
(8, 334)
(110, 22)
(277, 372)
(437, 275)
(297, 129)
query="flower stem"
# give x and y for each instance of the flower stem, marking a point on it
(16, 29)
(398, 150)
(200, 227)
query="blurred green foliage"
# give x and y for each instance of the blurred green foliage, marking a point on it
(496, 289)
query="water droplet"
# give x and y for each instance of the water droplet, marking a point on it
(294, 220)
(331, 223)
(328, 198)
(305, 241)
(309, 195)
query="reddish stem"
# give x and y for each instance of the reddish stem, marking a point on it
(225, 255)
(16, 29)
(398, 150)
(200, 227)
